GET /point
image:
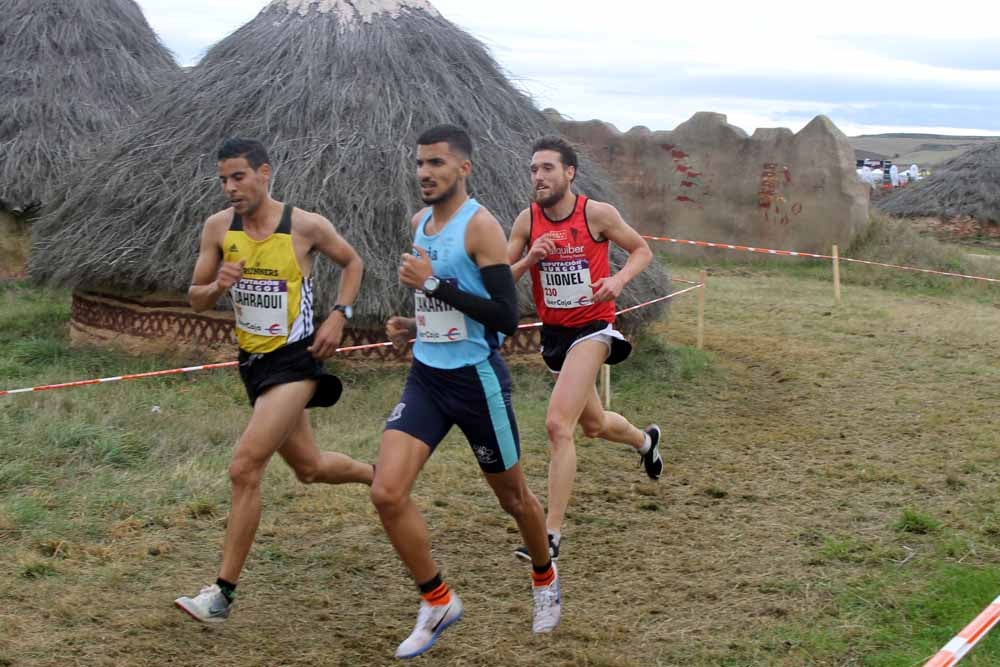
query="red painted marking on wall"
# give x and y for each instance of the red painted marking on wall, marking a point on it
(678, 155)
(681, 168)
(788, 175)
(685, 198)
(687, 184)
(694, 174)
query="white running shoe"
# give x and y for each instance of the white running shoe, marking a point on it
(548, 605)
(209, 606)
(431, 622)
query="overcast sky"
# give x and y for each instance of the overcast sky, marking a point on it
(872, 67)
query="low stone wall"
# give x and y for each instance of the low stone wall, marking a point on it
(162, 323)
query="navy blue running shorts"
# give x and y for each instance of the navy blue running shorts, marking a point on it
(474, 398)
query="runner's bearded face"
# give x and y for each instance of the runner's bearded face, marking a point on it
(439, 172)
(550, 178)
(244, 186)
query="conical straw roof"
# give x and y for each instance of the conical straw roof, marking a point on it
(338, 91)
(71, 73)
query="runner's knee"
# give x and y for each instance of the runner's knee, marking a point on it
(593, 427)
(307, 473)
(245, 472)
(513, 502)
(560, 431)
(387, 500)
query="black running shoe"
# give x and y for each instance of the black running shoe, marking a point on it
(651, 460)
(522, 552)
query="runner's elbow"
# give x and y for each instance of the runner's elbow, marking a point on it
(509, 323)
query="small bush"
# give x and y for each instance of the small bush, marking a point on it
(914, 522)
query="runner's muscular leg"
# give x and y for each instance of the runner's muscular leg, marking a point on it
(400, 459)
(275, 415)
(313, 466)
(600, 423)
(573, 388)
(511, 489)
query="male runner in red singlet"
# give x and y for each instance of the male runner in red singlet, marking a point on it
(566, 238)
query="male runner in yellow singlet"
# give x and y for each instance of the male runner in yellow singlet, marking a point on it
(259, 252)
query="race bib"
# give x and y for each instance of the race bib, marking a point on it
(437, 322)
(261, 306)
(566, 283)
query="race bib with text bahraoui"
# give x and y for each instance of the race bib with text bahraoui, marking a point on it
(261, 306)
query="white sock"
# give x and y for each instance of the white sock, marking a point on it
(556, 536)
(647, 442)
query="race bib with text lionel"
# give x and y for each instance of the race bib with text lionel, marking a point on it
(565, 282)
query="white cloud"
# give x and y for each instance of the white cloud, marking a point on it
(569, 55)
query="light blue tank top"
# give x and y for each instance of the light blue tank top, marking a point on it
(446, 337)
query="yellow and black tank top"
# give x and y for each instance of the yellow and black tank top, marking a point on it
(273, 301)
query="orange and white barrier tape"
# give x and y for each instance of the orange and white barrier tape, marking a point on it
(963, 642)
(231, 364)
(795, 253)
(117, 378)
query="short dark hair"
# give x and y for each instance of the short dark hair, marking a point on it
(457, 138)
(251, 149)
(559, 145)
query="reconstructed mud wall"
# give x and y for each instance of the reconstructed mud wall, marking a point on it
(707, 180)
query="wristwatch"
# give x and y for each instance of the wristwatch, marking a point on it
(431, 285)
(348, 311)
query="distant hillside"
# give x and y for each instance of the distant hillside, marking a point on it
(925, 150)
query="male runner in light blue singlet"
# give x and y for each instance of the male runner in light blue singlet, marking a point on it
(464, 301)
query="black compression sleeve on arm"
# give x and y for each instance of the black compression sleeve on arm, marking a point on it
(499, 312)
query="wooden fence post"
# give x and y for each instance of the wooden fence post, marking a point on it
(703, 277)
(836, 274)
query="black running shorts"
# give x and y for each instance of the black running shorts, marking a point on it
(557, 342)
(291, 363)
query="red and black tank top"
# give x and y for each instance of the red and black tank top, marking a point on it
(561, 281)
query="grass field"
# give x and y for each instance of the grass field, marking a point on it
(830, 497)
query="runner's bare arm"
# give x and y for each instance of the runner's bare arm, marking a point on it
(520, 236)
(212, 277)
(485, 241)
(325, 239)
(605, 221)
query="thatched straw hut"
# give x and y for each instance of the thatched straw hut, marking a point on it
(71, 73)
(338, 91)
(967, 185)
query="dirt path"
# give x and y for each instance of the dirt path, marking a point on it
(816, 426)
